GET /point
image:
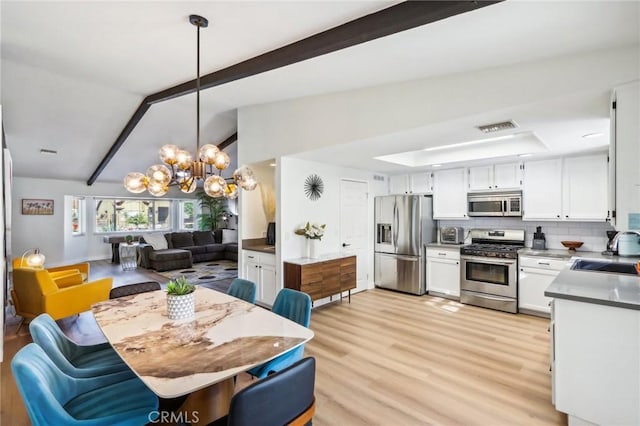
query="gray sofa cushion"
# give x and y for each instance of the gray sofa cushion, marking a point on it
(196, 249)
(182, 239)
(215, 248)
(202, 238)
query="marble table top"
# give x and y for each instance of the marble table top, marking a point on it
(173, 358)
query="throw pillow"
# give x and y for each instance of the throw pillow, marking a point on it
(229, 236)
(157, 241)
(182, 239)
(202, 238)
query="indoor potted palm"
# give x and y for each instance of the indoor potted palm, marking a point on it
(180, 299)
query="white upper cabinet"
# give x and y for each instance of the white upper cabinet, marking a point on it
(507, 176)
(420, 183)
(399, 184)
(626, 154)
(496, 177)
(584, 185)
(573, 189)
(417, 183)
(542, 193)
(450, 194)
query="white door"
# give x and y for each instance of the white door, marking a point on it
(354, 227)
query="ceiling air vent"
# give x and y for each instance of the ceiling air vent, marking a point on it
(497, 127)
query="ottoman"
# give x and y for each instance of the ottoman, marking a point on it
(166, 260)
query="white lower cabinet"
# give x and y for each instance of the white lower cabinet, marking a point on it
(443, 271)
(534, 276)
(261, 269)
(596, 367)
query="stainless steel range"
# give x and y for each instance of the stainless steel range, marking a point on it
(489, 270)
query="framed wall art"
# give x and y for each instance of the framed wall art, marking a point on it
(37, 207)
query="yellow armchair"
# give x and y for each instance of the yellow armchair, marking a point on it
(35, 292)
(64, 276)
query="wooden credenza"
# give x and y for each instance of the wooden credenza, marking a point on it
(323, 277)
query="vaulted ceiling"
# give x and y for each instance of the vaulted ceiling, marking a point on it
(73, 73)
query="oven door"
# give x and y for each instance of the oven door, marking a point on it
(489, 275)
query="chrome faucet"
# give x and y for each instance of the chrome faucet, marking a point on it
(614, 242)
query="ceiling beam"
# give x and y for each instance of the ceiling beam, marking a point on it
(228, 141)
(394, 19)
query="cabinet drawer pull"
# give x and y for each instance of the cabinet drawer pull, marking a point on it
(442, 254)
(544, 263)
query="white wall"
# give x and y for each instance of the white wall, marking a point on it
(254, 224)
(300, 125)
(52, 234)
(294, 209)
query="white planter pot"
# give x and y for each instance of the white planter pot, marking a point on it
(312, 248)
(181, 307)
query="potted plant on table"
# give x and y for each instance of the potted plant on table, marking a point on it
(180, 299)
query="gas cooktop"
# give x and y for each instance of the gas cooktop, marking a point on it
(492, 250)
(494, 243)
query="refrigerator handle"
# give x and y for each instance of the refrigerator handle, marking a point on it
(396, 223)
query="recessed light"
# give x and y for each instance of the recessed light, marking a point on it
(272, 164)
(525, 155)
(48, 152)
(592, 135)
(436, 165)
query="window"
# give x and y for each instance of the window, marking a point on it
(187, 215)
(77, 215)
(120, 215)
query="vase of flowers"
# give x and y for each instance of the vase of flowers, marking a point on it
(313, 233)
(180, 301)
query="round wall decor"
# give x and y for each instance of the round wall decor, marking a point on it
(313, 187)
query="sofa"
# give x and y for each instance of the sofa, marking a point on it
(183, 249)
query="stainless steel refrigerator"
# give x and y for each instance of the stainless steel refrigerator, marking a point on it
(404, 224)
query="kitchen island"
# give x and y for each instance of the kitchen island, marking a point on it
(595, 344)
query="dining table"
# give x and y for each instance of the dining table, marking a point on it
(198, 357)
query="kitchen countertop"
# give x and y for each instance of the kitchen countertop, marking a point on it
(262, 248)
(602, 288)
(557, 253)
(321, 258)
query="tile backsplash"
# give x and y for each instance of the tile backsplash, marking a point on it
(593, 234)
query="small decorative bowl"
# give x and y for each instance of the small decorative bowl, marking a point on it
(572, 245)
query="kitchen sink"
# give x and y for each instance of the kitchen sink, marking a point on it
(604, 266)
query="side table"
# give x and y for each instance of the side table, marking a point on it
(128, 256)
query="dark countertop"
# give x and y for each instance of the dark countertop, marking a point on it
(602, 288)
(262, 248)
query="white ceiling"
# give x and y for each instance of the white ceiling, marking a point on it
(73, 73)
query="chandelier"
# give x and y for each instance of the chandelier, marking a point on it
(181, 170)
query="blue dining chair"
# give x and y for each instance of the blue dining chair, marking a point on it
(283, 398)
(296, 306)
(243, 289)
(73, 359)
(54, 398)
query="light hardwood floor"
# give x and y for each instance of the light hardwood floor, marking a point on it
(394, 359)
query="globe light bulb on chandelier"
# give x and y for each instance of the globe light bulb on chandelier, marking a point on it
(182, 170)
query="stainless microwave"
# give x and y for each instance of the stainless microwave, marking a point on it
(495, 204)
